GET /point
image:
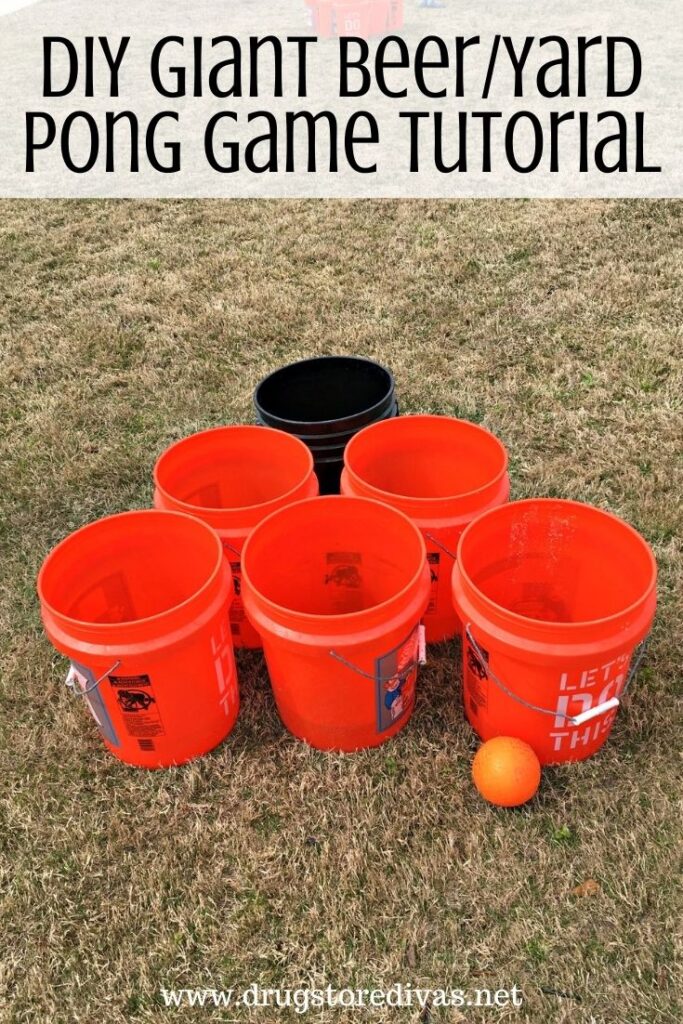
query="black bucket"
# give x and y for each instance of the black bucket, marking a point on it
(325, 401)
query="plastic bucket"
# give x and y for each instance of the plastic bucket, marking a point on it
(396, 14)
(321, 18)
(232, 478)
(442, 473)
(361, 18)
(139, 602)
(325, 401)
(337, 587)
(555, 597)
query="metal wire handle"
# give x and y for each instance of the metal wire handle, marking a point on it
(447, 551)
(366, 675)
(585, 716)
(235, 552)
(421, 660)
(78, 692)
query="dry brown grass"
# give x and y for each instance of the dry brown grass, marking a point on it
(127, 325)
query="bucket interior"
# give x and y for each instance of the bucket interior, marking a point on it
(426, 457)
(129, 567)
(557, 561)
(232, 467)
(329, 388)
(333, 556)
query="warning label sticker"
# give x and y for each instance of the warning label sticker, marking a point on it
(138, 705)
(476, 679)
(237, 613)
(344, 577)
(343, 569)
(237, 607)
(434, 563)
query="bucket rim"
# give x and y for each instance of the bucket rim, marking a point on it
(369, 412)
(342, 437)
(158, 616)
(187, 508)
(420, 501)
(567, 627)
(344, 618)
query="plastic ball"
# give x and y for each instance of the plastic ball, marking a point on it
(506, 771)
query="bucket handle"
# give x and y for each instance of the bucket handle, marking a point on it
(421, 660)
(235, 552)
(574, 720)
(447, 551)
(70, 681)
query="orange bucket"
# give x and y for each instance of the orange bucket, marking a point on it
(231, 478)
(442, 473)
(336, 587)
(361, 18)
(139, 602)
(555, 597)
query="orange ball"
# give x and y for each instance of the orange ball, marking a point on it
(506, 771)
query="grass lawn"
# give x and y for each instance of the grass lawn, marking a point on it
(124, 326)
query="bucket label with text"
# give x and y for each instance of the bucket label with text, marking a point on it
(579, 692)
(237, 614)
(434, 562)
(221, 648)
(396, 674)
(206, 496)
(343, 573)
(476, 679)
(343, 569)
(138, 706)
(108, 600)
(84, 680)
